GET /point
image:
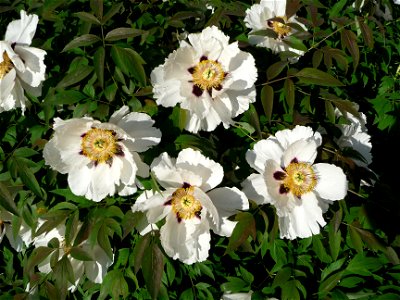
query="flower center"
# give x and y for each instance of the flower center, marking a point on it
(298, 178)
(280, 28)
(208, 74)
(65, 247)
(184, 204)
(100, 145)
(6, 65)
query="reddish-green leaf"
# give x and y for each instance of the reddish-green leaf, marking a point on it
(329, 283)
(37, 256)
(349, 41)
(275, 69)
(97, 7)
(80, 254)
(317, 58)
(318, 77)
(153, 268)
(83, 40)
(84, 16)
(245, 227)
(288, 87)
(7, 200)
(356, 239)
(98, 59)
(267, 100)
(366, 32)
(139, 251)
(75, 76)
(122, 33)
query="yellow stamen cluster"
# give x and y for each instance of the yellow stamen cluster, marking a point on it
(208, 74)
(300, 178)
(5, 66)
(100, 145)
(280, 28)
(184, 204)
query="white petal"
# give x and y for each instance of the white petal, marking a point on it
(262, 151)
(302, 151)
(22, 31)
(35, 68)
(331, 183)
(164, 169)
(187, 241)
(193, 161)
(166, 91)
(304, 220)
(255, 189)
(97, 269)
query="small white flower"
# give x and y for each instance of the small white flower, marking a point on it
(190, 204)
(271, 15)
(355, 135)
(287, 178)
(101, 158)
(21, 66)
(212, 80)
(22, 239)
(95, 269)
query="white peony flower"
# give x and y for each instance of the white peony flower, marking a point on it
(101, 158)
(95, 270)
(24, 234)
(21, 66)
(212, 80)
(237, 296)
(287, 178)
(271, 15)
(355, 135)
(190, 204)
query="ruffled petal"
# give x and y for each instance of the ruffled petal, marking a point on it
(255, 189)
(35, 68)
(302, 151)
(262, 151)
(187, 241)
(22, 31)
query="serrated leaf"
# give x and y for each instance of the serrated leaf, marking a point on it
(275, 69)
(83, 40)
(349, 41)
(84, 16)
(7, 200)
(245, 227)
(75, 76)
(267, 100)
(122, 33)
(153, 269)
(98, 60)
(318, 77)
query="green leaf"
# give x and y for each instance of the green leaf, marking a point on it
(122, 33)
(84, 16)
(104, 241)
(317, 58)
(37, 256)
(98, 60)
(7, 200)
(67, 97)
(97, 7)
(115, 8)
(335, 238)
(329, 283)
(282, 277)
(364, 266)
(318, 77)
(288, 87)
(80, 254)
(115, 285)
(245, 227)
(130, 63)
(83, 40)
(234, 285)
(139, 250)
(267, 100)
(333, 267)
(320, 250)
(337, 9)
(289, 291)
(75, 76)
(295, 43)
(153, 268)
(27, 176)
(275, 69)
(366, 32)
(349, 41)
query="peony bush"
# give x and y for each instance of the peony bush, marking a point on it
(199, 149)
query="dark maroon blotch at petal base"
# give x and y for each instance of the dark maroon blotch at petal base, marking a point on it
(283, 189)
(197, 91)
(203, 58)
(279, 175)
(178, 218)
(168, 202)
(186, 185)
